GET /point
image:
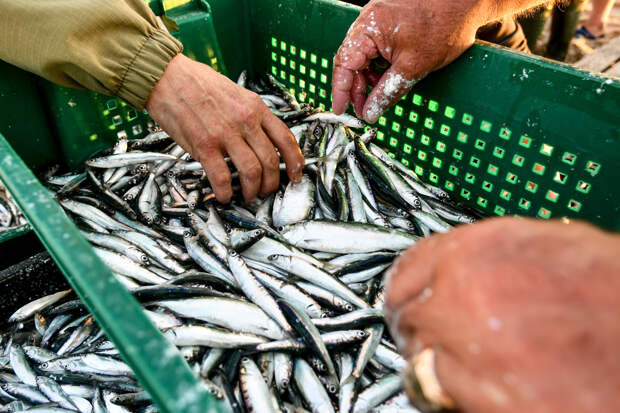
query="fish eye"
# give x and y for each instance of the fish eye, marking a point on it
(348, 307)
(285, 383)
(144, 259)
(245, 359)
(361, 333)
(187, 234)
(332, 389)
(44, 365)
(280, 228)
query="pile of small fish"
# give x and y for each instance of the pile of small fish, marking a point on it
(10, 214)
(277, 305)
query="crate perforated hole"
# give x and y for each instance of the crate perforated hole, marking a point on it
(552, 196)
(410, 133)
(422, 155)
(293, 50)
(499, 210)
(445, 130)
(93, 137)
(531, 187)
(574, 205)
(441, 147)
(398, 110)
(292, 64)
(449, 112)
(429, 123)
(312, 58)
(417, 99)
(486, 126)
(465, 193)
(569, 158)
(312, 73)
(467, 119)
(380, 135)
(524, 204)
(392, 155)
(504, 194)
(396, 126)
(480, 144)
(323, 78)
(303, 54)
(525, 141)
(475, 162)
(283, 45)
(407, 148)
(546, 149)
(121, 134)
(426, 140)
(393, 142)
(583, 186)
(453, 170)
(593, 167)
(117, 120)
(419, 171)
(492, 170)
(538, 168)
(449, 186)
(324, 63)
(136, 129)
(131, 115)
(544, 213)
(302, 69)
(462, 137)
(433, 106)
(382, 120)
(487, 186)
(482, 202)
(470, 178)
(512, 178)
(518, 160)
(413, 117)
(505, 133)
(282, 75)
(457, 154)
(283, 60)
(433, 178)
(499, 152)
(302, 83)
(274, 70)
(437, 162)
(111, 104)
(404, 162)
(560, 177)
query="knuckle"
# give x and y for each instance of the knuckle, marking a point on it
(220, 178)
(253, 170)
(272, 161)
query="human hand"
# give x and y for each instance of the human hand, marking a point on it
(414, 36)
(210, 117)
(522, 314)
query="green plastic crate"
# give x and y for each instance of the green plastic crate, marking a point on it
(502, 132)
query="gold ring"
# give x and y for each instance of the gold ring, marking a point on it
(421, 383)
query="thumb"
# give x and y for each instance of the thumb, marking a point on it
(394, 83)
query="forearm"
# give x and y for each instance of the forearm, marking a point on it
(492, 10)
(113, 47)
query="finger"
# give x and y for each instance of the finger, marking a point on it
(358, 92)
(411, 273)
(394, 83)
(250, 170)
(355, 54)
(269, 159)
(283, 139)
(218, 174)
(470, 390)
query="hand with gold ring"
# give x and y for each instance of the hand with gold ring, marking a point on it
(511, 315)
